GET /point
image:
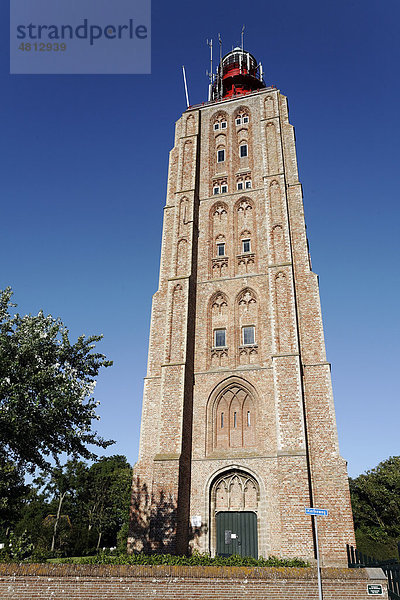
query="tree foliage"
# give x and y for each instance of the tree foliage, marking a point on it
(105, 497)
(13, 493)
(75, 509)
(46, 389)
(375, 498)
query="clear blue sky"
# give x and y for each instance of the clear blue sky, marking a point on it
(83, 182)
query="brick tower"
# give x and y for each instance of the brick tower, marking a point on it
(238, 429)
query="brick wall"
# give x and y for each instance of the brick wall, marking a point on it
(91, 582)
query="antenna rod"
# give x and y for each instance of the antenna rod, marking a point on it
(220, 65)
(210, 74)
(242, 36)
(210, 45)
(186, 90)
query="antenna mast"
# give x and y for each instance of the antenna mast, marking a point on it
(186, 89)
(210, 74)
(241, 54)
(220, 66)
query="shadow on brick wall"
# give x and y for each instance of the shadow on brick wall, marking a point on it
(153, 522)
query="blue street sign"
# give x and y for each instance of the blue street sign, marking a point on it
(317, 512)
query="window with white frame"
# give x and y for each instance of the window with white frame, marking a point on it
(242, 119)
(223, 124)
(240, 185)
(216, 126)
(246, 247)
(221, 249)
(243, 150)
(216, 189)
(224, 188)
(248, 184)
(248, 335)
(219, 338)
(221, 156)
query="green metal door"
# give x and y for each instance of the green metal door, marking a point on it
(237, 534)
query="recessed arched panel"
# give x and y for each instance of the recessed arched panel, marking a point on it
(269, 109)
(284, 326)
(272, 149)
(275, 202)
(232, 418)
(183, 215)
(235, 424)
(218, 229)
(278, 244)
(248, 423)
(187, 165)
(245, 246)
(190, 125)
(177, 333)
(217, 319)
(222, 424)
(182, 257)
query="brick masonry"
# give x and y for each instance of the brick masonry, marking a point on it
(84, 582)
(242, 426)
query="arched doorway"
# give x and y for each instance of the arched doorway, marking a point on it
(234, 514)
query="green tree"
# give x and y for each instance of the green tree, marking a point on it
(104, 499)
(32, 518)
(57, 484)
(375, 498)
(13, 493)
(46, 389)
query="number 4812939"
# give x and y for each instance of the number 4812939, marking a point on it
(42, 47)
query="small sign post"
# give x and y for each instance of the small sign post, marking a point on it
(317, 512)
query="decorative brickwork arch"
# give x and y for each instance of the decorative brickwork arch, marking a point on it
(218, 319)
(245, 220)
(183, 218)
(235, 490)
(218, 118)
(190, 125)
(218, 226)
(284, 330)
(272, 148)
(181, 257)
(247, 314)
(187, 165)
(232, 490)
(232, 417)
(269, 108)
(241, 111)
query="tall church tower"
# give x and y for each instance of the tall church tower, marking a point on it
(238, 430)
